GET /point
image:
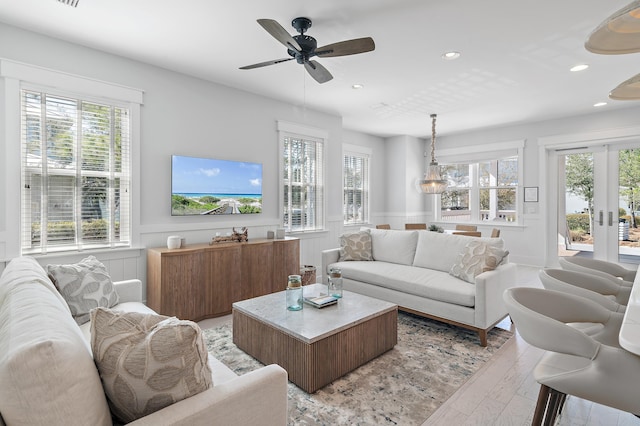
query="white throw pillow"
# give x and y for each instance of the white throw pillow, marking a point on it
(355, 246)
(395, 246)
(84, 285)
(147, 361)
(476, 258)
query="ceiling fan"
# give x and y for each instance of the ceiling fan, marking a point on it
(302, 47)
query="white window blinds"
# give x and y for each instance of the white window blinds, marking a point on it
(303, 180)
(75, 173)
(355, 200)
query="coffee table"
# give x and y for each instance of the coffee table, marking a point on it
(315, 346)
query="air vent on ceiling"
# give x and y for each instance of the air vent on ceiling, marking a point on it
(73, 3)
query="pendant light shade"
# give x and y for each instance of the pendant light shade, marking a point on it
(628, 90)
(618, 34)
(433, 182)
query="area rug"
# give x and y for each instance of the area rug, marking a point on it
(403, 386)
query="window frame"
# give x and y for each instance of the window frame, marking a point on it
(309, 134)
(17, 76)
(365, 154)
(474, 155)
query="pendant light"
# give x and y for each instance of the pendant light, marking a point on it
(628, 90)
(618, 34)
(433, 182)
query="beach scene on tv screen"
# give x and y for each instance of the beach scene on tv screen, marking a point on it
(205, 186)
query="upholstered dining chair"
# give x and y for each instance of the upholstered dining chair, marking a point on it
(495, 233)
(615, 296)
(468, 233)
(599, 267)
(466, 228)
(575, 363)
(415, 226)
(383, 226)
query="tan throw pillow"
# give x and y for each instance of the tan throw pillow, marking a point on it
(477, 257)
(146, 361)
(84, 285)
(355, 246)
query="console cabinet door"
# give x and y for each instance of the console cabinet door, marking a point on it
(257, 270)
(286, 258)
(223, 275)
(182, 294)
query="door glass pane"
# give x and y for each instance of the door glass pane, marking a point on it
(576, 228)
(629, 206)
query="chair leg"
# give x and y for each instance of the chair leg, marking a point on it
(541, 405)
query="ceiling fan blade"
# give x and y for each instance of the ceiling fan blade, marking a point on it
(264, 64)
(279, 33)
(318, 72)
(347, 47)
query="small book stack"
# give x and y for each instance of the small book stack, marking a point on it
(320, 301)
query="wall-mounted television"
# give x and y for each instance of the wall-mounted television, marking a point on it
(207, 186)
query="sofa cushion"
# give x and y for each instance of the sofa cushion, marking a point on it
(421, 282)
(47, 373)
(394, 246)
(476, 258)
(440, 251)
(84, 285)
(147, 361)
(355, 246)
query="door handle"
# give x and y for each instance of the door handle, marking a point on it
(601, 218)
(610, 218)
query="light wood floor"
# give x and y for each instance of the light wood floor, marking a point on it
(503, 392)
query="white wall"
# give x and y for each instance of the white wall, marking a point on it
(188, 116)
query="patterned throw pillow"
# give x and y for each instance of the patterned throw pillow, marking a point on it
(84, 285)
(146, 361)
(476, 258)
(355, 246)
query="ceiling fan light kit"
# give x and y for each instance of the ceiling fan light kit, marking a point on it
(302, 47)
(433, 182)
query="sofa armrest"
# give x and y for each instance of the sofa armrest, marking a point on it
(256, 398)
(328, 257)
(490, 286)
(129, 290)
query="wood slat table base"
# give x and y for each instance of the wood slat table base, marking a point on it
(313, 366)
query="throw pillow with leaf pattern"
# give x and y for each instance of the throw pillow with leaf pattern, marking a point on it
(355, 246)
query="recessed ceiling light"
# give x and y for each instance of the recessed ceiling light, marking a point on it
(599, 104)
(450, 56)
(579, 67)
(357, 86)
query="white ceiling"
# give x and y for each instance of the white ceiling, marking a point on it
(514, 66)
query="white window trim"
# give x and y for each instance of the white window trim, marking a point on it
(357, 150)
(472, 154)
(286, 128)
(17, 75)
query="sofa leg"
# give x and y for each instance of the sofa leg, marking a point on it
(483, 337)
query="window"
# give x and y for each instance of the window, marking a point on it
(303, 181)
(75, 173)
(482, 186)
(355, 178)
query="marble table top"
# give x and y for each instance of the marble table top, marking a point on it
(312, 324)
(629, 336)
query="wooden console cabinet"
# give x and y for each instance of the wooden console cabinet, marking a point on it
(202, 281)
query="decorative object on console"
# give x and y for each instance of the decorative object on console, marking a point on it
(174, 242)
(280, 233)
(237, 237)
(433, 182)
(147, 361)
(84, 285)
(271, 235)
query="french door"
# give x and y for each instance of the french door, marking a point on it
(598, 198)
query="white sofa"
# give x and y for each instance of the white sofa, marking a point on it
(411, 269)
(48, 376)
